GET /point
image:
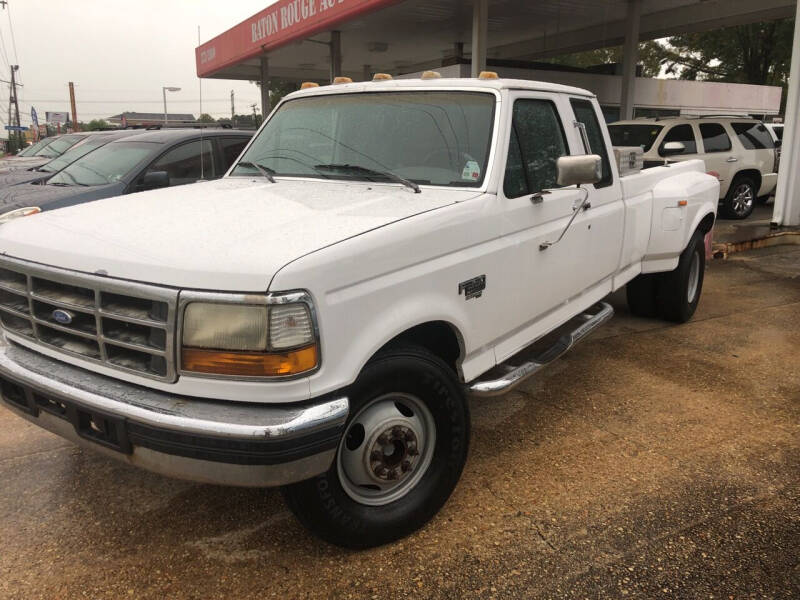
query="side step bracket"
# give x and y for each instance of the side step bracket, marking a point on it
(528, 362)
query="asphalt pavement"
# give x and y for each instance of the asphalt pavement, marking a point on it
(653, 461)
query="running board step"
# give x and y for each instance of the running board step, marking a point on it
(534, 358)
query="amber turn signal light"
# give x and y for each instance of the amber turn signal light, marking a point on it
(249, 364)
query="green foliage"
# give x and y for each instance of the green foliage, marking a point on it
(759, 54)
(206, 118)
(95, 125)
(651, 55)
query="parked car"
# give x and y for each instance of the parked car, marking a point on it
(147, 161)
(739, 150)
(39, 155)
(45, 171)
(318, 317)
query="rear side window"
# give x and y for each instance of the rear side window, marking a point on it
(537, 141)
(231, 148)
(714, 137)
(778, 132)
(683, 134)
(584, 112)
(754, 136)
(183, 163)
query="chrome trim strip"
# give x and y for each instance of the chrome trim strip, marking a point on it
(99, 285)
(517, 375)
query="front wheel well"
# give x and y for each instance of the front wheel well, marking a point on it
(438, 337)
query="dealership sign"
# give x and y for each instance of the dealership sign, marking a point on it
(279, 24)
(56, 118)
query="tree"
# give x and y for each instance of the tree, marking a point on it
(651, 55)
(94, 125)
(758, 54)
(206, 118)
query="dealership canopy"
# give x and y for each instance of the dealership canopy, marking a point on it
(320, 39)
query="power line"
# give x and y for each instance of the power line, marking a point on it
(11, 27)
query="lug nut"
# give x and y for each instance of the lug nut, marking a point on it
(397, 431)
(409, 435)
(383, 438)
(394, 474)
(405, 465)
(376, 455)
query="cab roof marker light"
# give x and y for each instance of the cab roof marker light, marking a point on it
(382, 77)
(308, 85)
(431, 75)
(488, 75)
(340, 80)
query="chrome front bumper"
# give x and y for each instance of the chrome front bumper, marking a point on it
(226, 443)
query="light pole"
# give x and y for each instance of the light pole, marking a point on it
(164, 91)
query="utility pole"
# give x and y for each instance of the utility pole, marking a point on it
(12, 100)
(233, 110)
(255, 117)
(75, 126)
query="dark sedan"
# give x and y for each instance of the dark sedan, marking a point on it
(87, 144)
(150, 160)
(37, 155)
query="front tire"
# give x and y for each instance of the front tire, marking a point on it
(404, 447)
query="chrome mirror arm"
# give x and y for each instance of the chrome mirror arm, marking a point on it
(584, 204)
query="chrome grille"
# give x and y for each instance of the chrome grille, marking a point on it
(123, 325)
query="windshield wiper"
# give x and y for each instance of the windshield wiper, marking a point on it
(265, 171)
(374, 172)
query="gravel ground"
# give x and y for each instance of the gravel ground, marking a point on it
(652, 461)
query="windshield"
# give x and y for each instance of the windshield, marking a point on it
(31, 150)
(634, 135)
(74, 153)
(59, 146)
(107, 164)
(436, 138)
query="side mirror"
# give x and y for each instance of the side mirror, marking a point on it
(577, 170)
(153, 180)
(673, 148)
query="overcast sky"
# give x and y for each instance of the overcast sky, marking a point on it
(119, 54)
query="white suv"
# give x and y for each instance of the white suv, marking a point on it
(738, 150)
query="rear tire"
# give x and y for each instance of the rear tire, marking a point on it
(740, 199)
(678, 292)
(404, 447)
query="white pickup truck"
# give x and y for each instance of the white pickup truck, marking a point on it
(318, 318)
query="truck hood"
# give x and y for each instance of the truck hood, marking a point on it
(232, 234)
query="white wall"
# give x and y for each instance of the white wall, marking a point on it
(690, 97)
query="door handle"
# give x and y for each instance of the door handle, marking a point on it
(732, 159)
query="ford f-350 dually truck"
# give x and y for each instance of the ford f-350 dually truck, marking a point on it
(318, 318)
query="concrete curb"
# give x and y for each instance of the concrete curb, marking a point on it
(779, 238)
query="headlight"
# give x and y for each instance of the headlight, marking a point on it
(266, 340)
(19, 212)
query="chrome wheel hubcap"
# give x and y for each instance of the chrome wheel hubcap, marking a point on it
(386, 449)
(694, 278)
(742, 199)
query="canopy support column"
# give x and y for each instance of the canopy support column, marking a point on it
(265, 101)
(630, 56)
(787, 194)
(336, 54)
(480, 34)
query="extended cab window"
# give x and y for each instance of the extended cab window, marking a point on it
(183, 164)
(537, 141)
(584, 112)
(714, 137)
(683, 134)
(754, 136)
(231, 149)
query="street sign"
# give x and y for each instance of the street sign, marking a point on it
(34, 117)
(15, 128)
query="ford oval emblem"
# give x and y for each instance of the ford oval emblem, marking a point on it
(62, 316)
